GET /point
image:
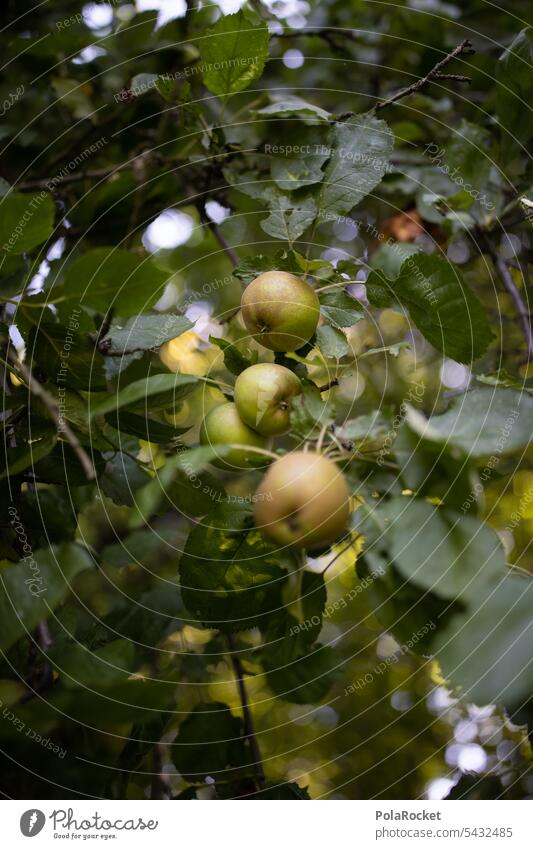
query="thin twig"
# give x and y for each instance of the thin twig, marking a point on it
(329, 385)
(510, 286)
(53, 411)
(43, 182)
(220, 237)
(159, 788)
(521, 308)
(338, 554)
(326, 33)
(249, 731)
(43, 636)
(465, 48)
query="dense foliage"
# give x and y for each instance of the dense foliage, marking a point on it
(154, 641)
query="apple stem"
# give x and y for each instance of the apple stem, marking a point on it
(254, 450)
(217, 383)
(321, 437)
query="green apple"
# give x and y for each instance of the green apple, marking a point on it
(262, 396)
(303, 501)
(281, 310)
(224, 426)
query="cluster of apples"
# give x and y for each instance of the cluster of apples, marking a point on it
(303, 499)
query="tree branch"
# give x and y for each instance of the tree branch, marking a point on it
(249, 732)
(325, 33)
(220, 237)
(329, 385)
(463, 49)
(511, 288)
(73, 178)
(52, 408)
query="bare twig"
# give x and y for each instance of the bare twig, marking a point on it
(329, 385)
(338, 554)
(463, 49)
(521, 308)
(43, 182)
(511, 288)
(159, 788)
(43, 636)
(220, 237)
(52, 408)
(325, 33)
(249, 731)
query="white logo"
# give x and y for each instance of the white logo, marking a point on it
(32, 822)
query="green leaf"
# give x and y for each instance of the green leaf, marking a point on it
(288, 218)
(361, 149)
(290, 632)
(284, 260)
(251, 266)
(30, 589)
(144, 427)
(468, 158)
(122, 479)
(480, 423)
(339, 308)
(26, 454)
(390, 257)
(67, 355)
(48, 515)
(25, 221)
(209, 743)
(308, 112)
(332, 342)
(112, 278)
(307, 679)
(487, 650)
(513, 92)
(453, 556)
(440, 303)
(409, 613)
(296, 172)
(231, 580)
(234, 360)
(156, 392)
(179, 484)
(368, 429)
(144, 333)
(62, 466)
(97, 670)
(234, 53)
(309, 411)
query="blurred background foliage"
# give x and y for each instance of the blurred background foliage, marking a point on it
(154, 171)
